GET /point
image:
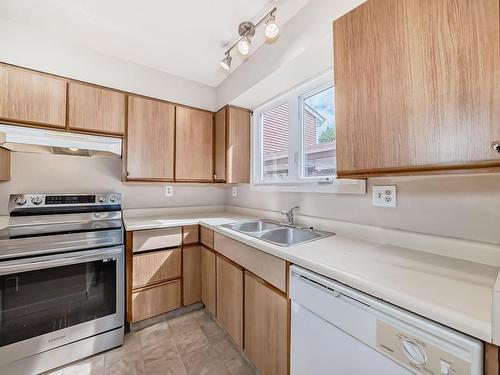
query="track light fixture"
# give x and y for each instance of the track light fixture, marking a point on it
(246, 30)
(272, 29)
(225, 63)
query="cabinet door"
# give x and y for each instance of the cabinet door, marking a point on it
(266, 327)
(95, 109)
(31, 97)
(238, 146)
(156, 266)
(208, 279)
(193, 147)
(4, 164)
(150, 139)
(230, 298)
(191, 274)
(417, 86)
(155, 300)
(220, 146)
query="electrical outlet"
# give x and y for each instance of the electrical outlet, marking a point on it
(384, 196)
(234, 191)
(169, 191)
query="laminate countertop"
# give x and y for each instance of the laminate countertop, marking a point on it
(453, 292)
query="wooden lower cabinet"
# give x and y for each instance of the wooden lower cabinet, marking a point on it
(266, 327)
(208, 277)
(191, 274)
(230, 298)
(154, 267)
(155, 300)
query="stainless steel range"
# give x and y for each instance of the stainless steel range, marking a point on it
(61, 280)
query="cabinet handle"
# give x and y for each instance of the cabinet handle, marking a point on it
(496, 146)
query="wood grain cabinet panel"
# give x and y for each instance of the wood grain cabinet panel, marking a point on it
(238, 146)
(153, 239)
(230, 299)
(155, 300)
(95, 109)
(207, 237)
(191, 274)
(5, 161)
(31, 97)
(193, 147)
(417, 86)
(208, 277)
(190, 234)
(266, 327)
(150, 139)
(220, 146)
(232, 145)
(154, 267)
(270, 268)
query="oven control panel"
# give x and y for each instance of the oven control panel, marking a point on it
(61, 202)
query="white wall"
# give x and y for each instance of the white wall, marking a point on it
(460, 206)
(303, 50)
(69, 174)
(20, 45)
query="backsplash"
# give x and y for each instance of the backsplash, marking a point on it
(48, 173)
(459, 206)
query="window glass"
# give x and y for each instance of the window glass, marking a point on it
(318, 141)
(274, 154)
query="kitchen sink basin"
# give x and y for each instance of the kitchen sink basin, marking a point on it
(278, 234)
(253, 226)
(289, 236)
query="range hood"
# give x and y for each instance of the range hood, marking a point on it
(17, 138)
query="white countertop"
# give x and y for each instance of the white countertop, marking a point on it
(454, 292)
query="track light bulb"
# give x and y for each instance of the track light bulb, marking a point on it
(272, 29)
(225, 63)
(244, 45)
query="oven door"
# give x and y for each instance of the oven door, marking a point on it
(53, 300)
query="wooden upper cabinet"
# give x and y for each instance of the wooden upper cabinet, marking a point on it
(417, 86)
(193, 147)
(220, 146)
(5, 161)
(238, 146)
(32, 98)
(150, 139)
(232, 145)
(95, 109)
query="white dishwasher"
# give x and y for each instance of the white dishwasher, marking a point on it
(337, 330)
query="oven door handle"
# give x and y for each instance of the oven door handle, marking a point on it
(58, 261)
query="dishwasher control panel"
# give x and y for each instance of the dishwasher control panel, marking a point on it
(420, 356)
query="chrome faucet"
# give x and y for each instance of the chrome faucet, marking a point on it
(290, 217)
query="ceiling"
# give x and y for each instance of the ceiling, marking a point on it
(186, 38)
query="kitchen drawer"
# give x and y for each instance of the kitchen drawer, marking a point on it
(157, 266)
(207, 237)
(156, 300)
(268, 267)
(190, 234)
(157, 239)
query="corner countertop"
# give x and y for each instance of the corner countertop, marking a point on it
(453, 292)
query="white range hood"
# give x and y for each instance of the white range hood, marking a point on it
(17, 138)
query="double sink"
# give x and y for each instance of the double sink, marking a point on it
(276, 233)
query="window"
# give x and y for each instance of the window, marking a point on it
(295, 141)
(318, 127)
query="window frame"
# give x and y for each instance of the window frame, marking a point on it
(297, 181)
